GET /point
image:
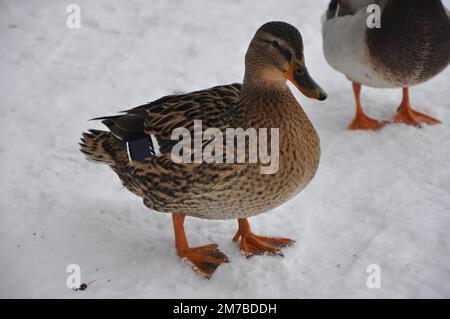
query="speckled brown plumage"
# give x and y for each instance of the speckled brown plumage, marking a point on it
(216, 191)
(219, 191)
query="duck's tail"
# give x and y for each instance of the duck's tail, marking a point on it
(102, 147)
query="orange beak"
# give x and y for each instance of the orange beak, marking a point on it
(298, 75)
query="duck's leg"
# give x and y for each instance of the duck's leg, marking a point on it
(406, 115)
(361, 120)
(252, 244)
(204, 259)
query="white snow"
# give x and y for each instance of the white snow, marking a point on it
(378, 198)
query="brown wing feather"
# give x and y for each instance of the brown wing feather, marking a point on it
(216, 107)
(163, 184)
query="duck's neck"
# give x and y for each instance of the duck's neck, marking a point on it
(266, 105)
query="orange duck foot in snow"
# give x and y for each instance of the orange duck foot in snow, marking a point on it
(406, 115)
(204, 259)
(252, 244)
(362, 121)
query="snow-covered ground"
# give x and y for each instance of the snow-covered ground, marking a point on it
(378, 198)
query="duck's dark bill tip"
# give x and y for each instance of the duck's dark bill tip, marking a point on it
(322, 97)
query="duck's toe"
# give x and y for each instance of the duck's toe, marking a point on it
(206, 259)
(252, 245)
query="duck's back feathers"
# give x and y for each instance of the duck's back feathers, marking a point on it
(216, 107)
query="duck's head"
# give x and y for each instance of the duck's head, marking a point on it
(275, 55)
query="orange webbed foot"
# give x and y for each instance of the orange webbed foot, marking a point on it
(252, 244)
(406, 115)
(412, 117)
(363, 122)
(205, 259)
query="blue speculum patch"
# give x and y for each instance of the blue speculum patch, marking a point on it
(141, 149)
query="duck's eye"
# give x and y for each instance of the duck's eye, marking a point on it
(300, 72)
(275, 44)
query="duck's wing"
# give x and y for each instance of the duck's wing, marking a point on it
(215, 107)
(164, 181)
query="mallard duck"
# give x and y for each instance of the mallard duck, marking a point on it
(411, 46)
(138, 147)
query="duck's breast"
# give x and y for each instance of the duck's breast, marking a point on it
(413, 44)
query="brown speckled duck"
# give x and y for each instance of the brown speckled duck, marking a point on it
(411, 46)
(220, 190)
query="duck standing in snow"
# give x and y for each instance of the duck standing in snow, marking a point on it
(411, 46)
(220, 190)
